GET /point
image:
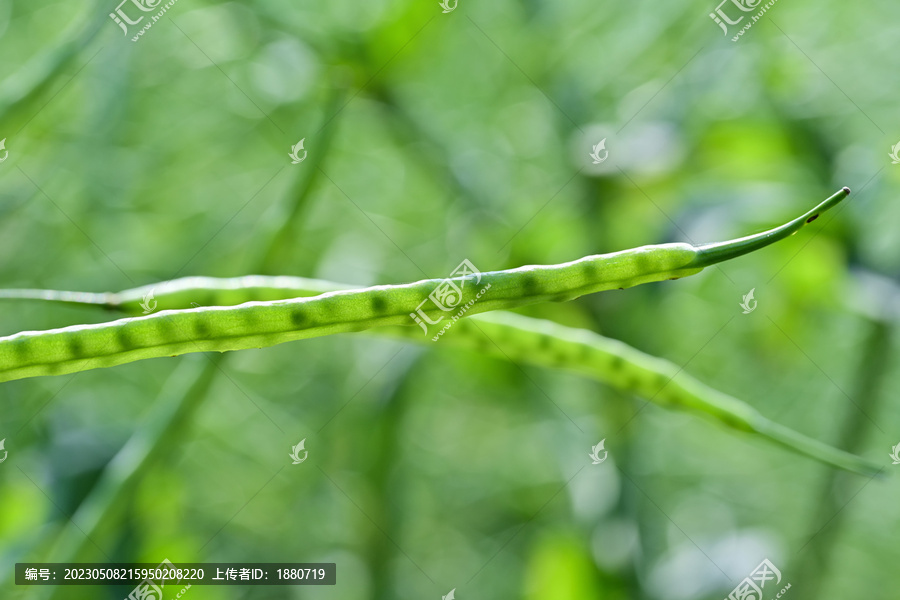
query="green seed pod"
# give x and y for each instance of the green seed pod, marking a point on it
(265, 323)
(248, 311)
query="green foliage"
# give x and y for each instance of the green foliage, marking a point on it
(432, 137)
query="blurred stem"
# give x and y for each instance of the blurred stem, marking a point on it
(387, 506)
(873, 367)
(278, 248)
(629, 507)
(425, 148)
(33, 81)
(173, 410)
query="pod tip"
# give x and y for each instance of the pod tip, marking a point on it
(846, 189)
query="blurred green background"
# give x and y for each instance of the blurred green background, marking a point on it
(434, 137)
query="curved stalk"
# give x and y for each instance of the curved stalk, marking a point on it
(710, 254)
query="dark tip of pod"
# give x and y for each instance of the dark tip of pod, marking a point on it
(846, 189)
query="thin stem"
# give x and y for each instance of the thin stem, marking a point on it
(710, 254)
